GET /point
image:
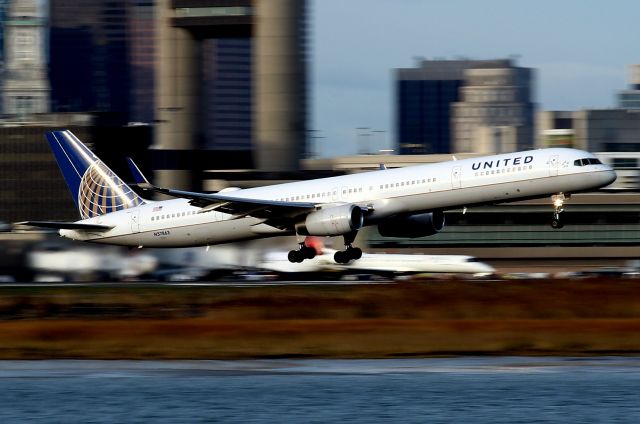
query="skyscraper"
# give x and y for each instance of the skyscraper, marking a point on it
(495, 112)
(101, 57)
(630, 98)
(26, 88)
(227, 82)
(436, 104)
(4, 5)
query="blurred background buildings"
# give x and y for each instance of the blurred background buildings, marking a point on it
(206, 94)
(453, 106)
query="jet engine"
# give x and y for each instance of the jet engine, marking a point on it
(333, 221)
(418, 225)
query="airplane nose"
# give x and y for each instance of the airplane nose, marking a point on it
(610, 176)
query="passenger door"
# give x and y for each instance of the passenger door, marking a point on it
(134, 216)
(554, 162)
(456, 177)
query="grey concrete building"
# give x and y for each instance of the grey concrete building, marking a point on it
(555, 128)
(607, 130)
(278, 29)
(424, 96)
(26, 86)
(630, 98)
(496, 110)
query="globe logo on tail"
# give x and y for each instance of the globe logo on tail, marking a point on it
(102, 191)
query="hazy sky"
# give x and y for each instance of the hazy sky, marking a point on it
(579, 48)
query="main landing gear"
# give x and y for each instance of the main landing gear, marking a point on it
(558, 203)
(350, 252)
(304, 252)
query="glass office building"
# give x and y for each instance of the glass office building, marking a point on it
(428, 96)
(101, 57)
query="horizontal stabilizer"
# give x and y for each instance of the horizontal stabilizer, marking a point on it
(66, 225)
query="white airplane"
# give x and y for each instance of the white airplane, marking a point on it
(378, 262)
(403, 202)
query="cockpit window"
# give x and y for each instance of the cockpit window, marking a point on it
(587, 161)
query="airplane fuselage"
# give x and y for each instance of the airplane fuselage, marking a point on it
(384, 194)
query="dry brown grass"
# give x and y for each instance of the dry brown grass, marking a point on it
(438, 318)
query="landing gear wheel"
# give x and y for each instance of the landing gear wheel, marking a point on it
(556, 223)
(341, 257)
(354, 253)
(308, 252)
(295, 256)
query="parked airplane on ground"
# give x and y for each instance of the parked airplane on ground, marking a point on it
(403, 202)
(376, 263)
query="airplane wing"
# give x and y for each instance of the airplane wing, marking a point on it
(66, 225)
(272, 211)
(239, 206)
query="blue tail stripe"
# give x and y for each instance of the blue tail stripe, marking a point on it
(94, 187)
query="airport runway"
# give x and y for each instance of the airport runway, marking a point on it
(152, 284)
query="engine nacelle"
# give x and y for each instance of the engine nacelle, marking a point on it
(411, 226)
(333, 221)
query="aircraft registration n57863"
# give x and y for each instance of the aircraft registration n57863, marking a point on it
(402, 202)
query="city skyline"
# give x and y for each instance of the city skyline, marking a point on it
(580, 51)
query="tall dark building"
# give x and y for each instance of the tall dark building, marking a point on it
(227, 82)
(425, 97)
(4, 7)
(101, 57)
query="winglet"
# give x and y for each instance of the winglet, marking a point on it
(139, 178)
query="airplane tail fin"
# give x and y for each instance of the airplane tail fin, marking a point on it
(95, 188)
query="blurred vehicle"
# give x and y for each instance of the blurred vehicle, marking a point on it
(376, 262)
(83, 263)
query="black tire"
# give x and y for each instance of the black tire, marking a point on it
(556, 224)
(309, 252)
(341, 257)
(294, 256)
(355, 253)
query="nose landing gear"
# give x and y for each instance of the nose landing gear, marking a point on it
(558, 203)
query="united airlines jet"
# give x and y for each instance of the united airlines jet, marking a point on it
(403, 202)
